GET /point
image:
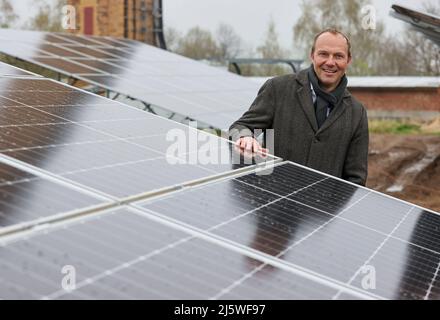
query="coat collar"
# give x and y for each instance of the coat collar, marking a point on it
(306, 102)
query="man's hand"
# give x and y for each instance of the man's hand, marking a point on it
(250, 145)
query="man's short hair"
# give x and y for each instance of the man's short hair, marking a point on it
(335, 32)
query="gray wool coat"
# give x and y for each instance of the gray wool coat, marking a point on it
(339, 147)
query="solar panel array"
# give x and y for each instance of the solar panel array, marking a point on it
(192, 89)
(86, 185)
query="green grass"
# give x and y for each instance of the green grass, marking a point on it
(394, 127)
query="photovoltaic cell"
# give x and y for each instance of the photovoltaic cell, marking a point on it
(71, 39)
(120, 43)
(319, 223)
(63, 65)
(415, 276)
(158, 77)
(53, 98)
(57, 50)
(106, 66)
(24, 85)
(96, 52)
(25, 197)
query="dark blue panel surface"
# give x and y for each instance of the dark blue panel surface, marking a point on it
(25, 197)
(319, 223)
(121, 255)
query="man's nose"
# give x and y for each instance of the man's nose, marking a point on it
(330, 61)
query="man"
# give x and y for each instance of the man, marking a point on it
(316, 122)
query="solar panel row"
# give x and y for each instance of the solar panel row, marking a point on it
(192, 89)
(262, 245)
(114, 150)
(123, 255)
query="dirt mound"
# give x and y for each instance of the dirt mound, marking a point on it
(432, 126)
(406, 167)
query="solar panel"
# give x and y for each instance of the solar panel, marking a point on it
(207, 94)
(110, 149)
(123, 254)
(320, 224)
(426, 23)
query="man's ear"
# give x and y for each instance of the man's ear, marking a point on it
(349, 60)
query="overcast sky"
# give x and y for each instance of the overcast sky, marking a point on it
(249, 18)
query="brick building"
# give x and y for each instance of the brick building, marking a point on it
(134, 19)
(398, 96)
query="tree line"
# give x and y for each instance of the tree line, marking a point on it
(47, 16)
(375, 53)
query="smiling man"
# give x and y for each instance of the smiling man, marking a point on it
(316, 121)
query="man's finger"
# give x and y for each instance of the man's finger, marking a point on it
(248, 145)
(240, 143)
(243, 143)
(256, 146)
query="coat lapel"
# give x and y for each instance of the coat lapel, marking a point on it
(305, 99)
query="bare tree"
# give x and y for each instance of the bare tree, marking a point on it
(394, 59)
(424, 54)
(172, 38)
(271, 49)
(229, 43)
(7, 14)
(48, 18)
(198, 44)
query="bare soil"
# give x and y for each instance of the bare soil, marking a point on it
(406, 167)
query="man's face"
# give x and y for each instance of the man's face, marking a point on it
(330, 59)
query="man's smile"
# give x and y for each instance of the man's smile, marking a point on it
(329, 71)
